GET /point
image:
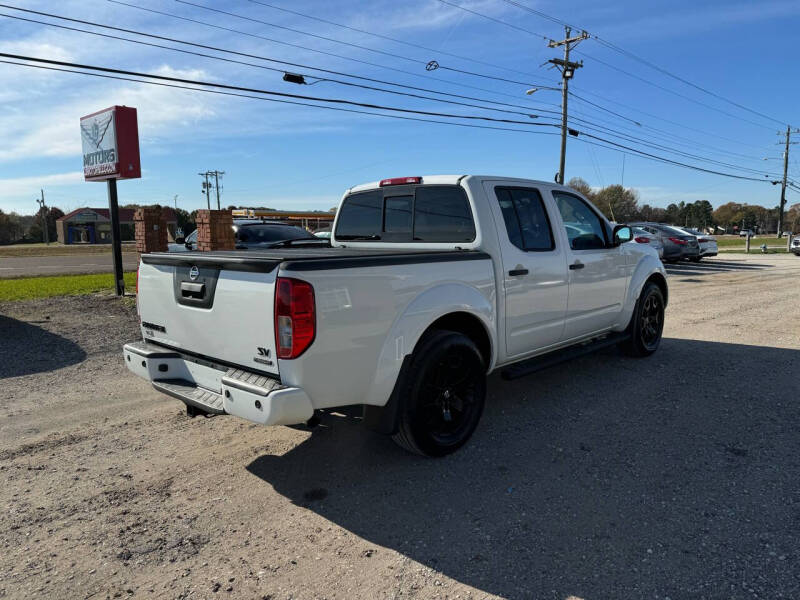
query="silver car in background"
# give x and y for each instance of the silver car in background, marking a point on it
(677, 244)
(640, 236)
(707, 243)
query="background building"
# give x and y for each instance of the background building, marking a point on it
(93, 225)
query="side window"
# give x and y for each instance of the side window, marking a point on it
(442, 214)
(585, 229)
(526, 219)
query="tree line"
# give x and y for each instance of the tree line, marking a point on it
(622, 205)
(16, 228)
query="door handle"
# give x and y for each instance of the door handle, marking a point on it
(576, 265)
(517, 272)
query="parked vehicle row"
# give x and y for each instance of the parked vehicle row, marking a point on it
(253, 234)
(795, 248)
(678, 244)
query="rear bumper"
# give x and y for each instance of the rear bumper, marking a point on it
(217, 389)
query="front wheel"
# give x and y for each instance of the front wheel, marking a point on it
(442, 394)
(647, 323)
(695, 258)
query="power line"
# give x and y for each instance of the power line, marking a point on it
(617, 147)
(279, 101)
(671, 137)
(673, 92)
(645, 62)
(277, 70)
(109, 73)
(487, 17)
(270, 92)
(273, 60)
(386, 37)
(665, 120)
(351, 44)
(609, 65)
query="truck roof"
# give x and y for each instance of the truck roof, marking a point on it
(456, 179)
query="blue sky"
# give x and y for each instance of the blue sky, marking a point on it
(294, 157)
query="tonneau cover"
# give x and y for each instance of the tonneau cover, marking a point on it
(306, 259)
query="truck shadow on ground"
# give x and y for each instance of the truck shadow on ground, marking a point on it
(608, 477)
(26, 349)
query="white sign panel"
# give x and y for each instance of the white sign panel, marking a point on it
(100, 154)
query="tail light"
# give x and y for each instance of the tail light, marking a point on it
(703, 240)
(678, 241)
(295, 321)
(642, 240)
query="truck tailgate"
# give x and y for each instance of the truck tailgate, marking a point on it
(222, 309)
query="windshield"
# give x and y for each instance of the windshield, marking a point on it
(266, 234)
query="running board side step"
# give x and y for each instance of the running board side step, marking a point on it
(545, 361)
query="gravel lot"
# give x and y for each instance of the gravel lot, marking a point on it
(669, 477)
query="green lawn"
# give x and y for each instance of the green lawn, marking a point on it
(27, 288)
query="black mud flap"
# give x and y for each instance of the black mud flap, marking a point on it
(385, 419)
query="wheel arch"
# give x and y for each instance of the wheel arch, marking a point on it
(453, 306)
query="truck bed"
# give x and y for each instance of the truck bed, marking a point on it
(307, 259)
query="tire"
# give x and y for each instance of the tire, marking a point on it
(647, 322)
(695, 258)
(442, 395)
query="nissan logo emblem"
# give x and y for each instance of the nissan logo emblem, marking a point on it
(194, 273)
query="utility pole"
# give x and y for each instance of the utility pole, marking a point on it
(205, 189)
(207, 186)
(216, 184)
(783, 181)
(43, 212)
(567, 69)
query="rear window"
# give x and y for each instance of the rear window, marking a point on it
(434, 213)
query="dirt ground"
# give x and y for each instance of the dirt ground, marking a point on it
(672, 477)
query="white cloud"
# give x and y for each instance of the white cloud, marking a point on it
(51, 128)
(29, 186)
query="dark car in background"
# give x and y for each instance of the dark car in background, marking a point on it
(259, 234)
(678, 244)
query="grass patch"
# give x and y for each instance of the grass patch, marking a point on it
(753, 250)
(28, 288)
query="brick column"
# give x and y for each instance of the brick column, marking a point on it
(151, 230)
(215, 230)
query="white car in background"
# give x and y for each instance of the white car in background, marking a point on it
(707, 243)
(640, 236)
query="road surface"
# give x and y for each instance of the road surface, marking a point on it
(29, 266)
(608, 477)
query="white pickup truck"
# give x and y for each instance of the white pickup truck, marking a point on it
(430, 284)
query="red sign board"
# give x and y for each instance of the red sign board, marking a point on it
(111, 144)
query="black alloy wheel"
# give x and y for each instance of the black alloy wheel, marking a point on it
(444, 393)
(647, 323)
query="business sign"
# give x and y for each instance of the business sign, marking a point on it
(111, 144)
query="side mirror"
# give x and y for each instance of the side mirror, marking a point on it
(188, 245)
(622, 234)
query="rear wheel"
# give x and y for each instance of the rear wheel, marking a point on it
(647, 323)
(695, 258)
(442, 394)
